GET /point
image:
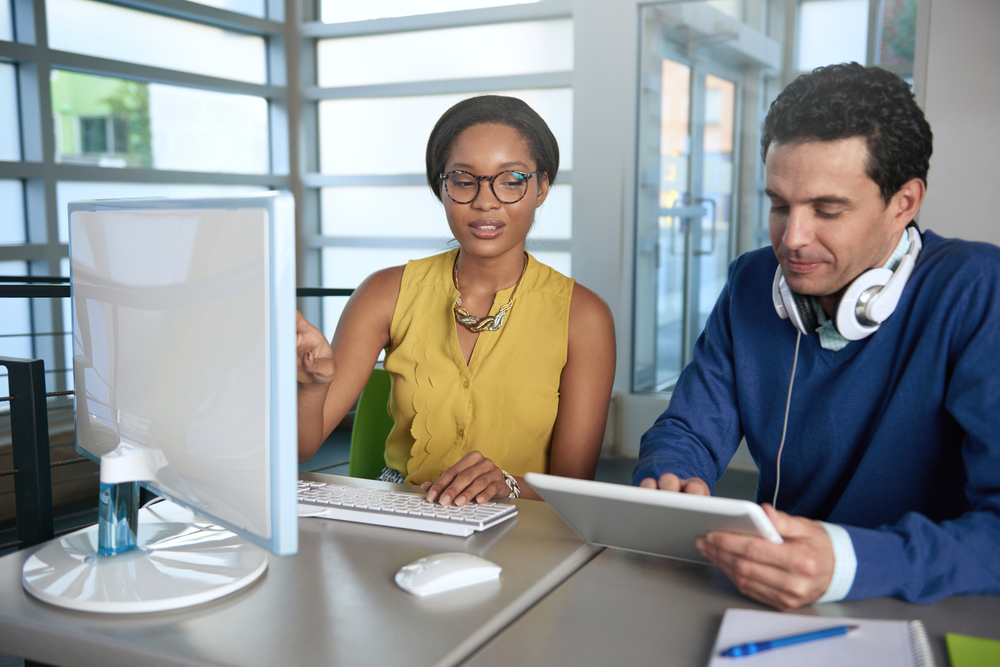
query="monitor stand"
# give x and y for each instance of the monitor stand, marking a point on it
(173, 560)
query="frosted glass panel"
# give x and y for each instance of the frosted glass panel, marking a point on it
(560, 261)
(199, 130)
(382, 211)
(72, 191)
(553, 218)
(529, 47)
(6, 26)
(10, 138)
(832, 31)
(389, 135)
(12, 229)
(375, 211)
(111, 122)
(97, 29)
(15, 321)
(251, 7)
(340, 11)
(347, 267)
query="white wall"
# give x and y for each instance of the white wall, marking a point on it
(957, 81)
(604, 97)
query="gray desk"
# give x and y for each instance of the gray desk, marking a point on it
(631, 609)
(335, 603)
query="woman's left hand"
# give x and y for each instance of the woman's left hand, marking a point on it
(473, 479)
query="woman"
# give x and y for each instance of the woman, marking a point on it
(499, 364)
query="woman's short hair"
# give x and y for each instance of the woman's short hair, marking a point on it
(491, 110)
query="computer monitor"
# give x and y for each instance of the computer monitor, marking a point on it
(185, 381)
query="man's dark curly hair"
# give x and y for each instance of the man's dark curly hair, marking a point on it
(491, 110)
(848, 100)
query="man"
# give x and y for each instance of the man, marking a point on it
(886, 461)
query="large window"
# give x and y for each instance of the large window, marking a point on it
(108, 31)
(102, 104)
(101, 101)
(382, 86)
(10, 140)
(662, 189)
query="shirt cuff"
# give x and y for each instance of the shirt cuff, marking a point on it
(845, 563)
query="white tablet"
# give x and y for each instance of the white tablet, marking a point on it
(648, 520)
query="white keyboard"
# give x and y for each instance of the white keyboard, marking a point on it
(400, 510)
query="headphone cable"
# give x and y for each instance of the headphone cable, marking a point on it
(784, 426)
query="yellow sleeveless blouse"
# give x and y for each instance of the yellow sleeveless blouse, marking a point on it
(504, 403)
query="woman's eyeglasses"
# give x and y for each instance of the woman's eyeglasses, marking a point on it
(509, 187)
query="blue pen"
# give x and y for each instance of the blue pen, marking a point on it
(741, 650)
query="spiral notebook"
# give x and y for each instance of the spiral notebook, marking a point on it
(886, 643)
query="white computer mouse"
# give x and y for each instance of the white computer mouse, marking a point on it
(445, 572)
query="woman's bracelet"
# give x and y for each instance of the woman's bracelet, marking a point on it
(515, 490)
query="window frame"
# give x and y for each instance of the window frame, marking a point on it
(872, 43)
(39, 172)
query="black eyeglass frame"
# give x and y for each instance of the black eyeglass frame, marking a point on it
(479, 182)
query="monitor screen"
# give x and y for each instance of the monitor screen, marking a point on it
(184, 345)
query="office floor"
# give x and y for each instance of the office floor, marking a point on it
(332, 458)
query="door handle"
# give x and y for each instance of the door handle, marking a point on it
(686, 213)
(711, 247)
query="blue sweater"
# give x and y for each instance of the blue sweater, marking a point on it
(896, 437)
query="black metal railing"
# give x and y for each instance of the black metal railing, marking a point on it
(33, 287)
(41, 287)
(29, 427)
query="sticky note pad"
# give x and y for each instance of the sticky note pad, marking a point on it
(966, 651)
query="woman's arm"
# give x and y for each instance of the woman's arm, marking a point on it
(584, 389)
(584, 394)
(331, 376)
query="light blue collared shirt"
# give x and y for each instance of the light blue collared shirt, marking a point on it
(845, 563)
(829, 337)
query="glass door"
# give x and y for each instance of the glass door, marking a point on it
(684, 231)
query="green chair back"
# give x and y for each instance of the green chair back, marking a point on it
(372, 425)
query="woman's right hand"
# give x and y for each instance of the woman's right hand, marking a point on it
(474, 479)
(315, 365)
(362, 333)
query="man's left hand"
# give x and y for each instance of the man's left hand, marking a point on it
(785, 576)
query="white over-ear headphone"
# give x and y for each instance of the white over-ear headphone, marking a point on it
(866, 303)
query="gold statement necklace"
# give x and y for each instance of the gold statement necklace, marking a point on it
(490, 322)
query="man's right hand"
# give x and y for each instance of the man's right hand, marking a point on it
(314, 352)
(671, 482)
